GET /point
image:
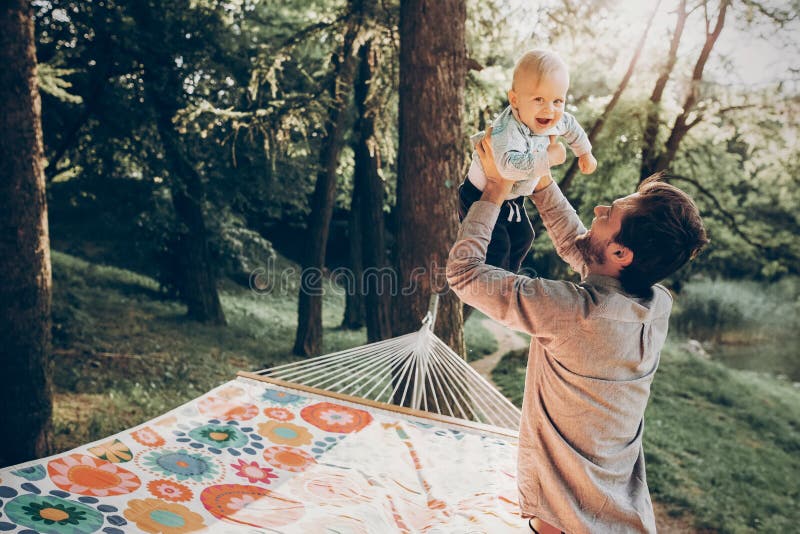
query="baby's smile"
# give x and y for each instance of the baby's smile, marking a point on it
(543, 122)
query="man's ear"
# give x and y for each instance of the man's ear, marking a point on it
(512, 98)
(621, 255)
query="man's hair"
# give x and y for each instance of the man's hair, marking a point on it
(540, 63)
(664, 230)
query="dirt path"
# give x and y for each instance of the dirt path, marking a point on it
(508, 340)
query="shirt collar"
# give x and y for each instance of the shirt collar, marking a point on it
(522, 125)
(604, 281)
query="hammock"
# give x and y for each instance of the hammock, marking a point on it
(417, 370)
(262, 454)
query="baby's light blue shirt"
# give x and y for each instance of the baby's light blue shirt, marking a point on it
(520, 154)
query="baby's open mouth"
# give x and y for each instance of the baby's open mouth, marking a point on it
(543, 122)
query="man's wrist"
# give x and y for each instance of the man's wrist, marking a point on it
(544, 182)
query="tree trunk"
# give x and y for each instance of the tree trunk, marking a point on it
(308, 340)
(198, 288)
(25, 286)
(354, 308)
(600, 122)
(682, 123)
(650, 135)
(432, 75)
(378, 281)
(163, 89)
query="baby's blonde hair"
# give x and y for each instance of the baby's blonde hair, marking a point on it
(540, 63)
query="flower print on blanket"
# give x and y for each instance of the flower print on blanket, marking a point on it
(78, 473)
(336, 418)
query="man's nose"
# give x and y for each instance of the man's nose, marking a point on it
(599, 210)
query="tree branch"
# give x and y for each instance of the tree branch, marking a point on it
(303, 33)
(700, 116)
(650, 133)
(691, 124)
(680, 127)
(600, 122)
(718, 205)
(740, 107)
(281, 105)
(777, 15)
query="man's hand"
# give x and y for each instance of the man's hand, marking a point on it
(587, 163)
(556, 153)
(497, 189)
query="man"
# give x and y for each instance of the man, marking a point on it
(595, 345)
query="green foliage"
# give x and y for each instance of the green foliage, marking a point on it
(744, 324)
(52, 82)
(509, 375)
(241, 250)
(254, 106)
(738, 311)
(480, 342)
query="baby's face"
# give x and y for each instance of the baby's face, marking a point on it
(540, 101)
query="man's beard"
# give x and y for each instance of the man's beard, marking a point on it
(592, 252)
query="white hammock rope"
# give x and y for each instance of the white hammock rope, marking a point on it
(417, 370)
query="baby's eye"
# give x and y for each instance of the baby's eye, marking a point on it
(538, 99)
(558, 102)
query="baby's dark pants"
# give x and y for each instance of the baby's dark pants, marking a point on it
(511, 240)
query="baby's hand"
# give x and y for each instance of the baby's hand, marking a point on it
(556, 153)
(587, 163)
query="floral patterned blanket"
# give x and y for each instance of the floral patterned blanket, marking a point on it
(255, 457)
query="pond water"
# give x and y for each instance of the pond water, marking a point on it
(776, 355)
(744, 324)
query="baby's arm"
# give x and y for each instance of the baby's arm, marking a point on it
(579, 143)
(516, 165)
(514, 159)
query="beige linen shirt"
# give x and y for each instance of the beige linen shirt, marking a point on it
(594, 351)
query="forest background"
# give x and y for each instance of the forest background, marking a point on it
(243, 163)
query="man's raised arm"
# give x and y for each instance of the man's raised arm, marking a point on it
(533, 305)
(561, 221)
(558, 215)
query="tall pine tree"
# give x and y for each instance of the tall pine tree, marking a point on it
(432, 78)
(25, 284)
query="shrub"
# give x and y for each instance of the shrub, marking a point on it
(737, 311)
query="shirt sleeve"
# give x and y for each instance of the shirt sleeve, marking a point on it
(562, 224)
(574, 135)
(546, 309)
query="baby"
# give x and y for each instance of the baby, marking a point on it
(523, 152)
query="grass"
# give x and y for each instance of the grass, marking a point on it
(721, 445)
(509, 375)
(480, 342)
(124, 354)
